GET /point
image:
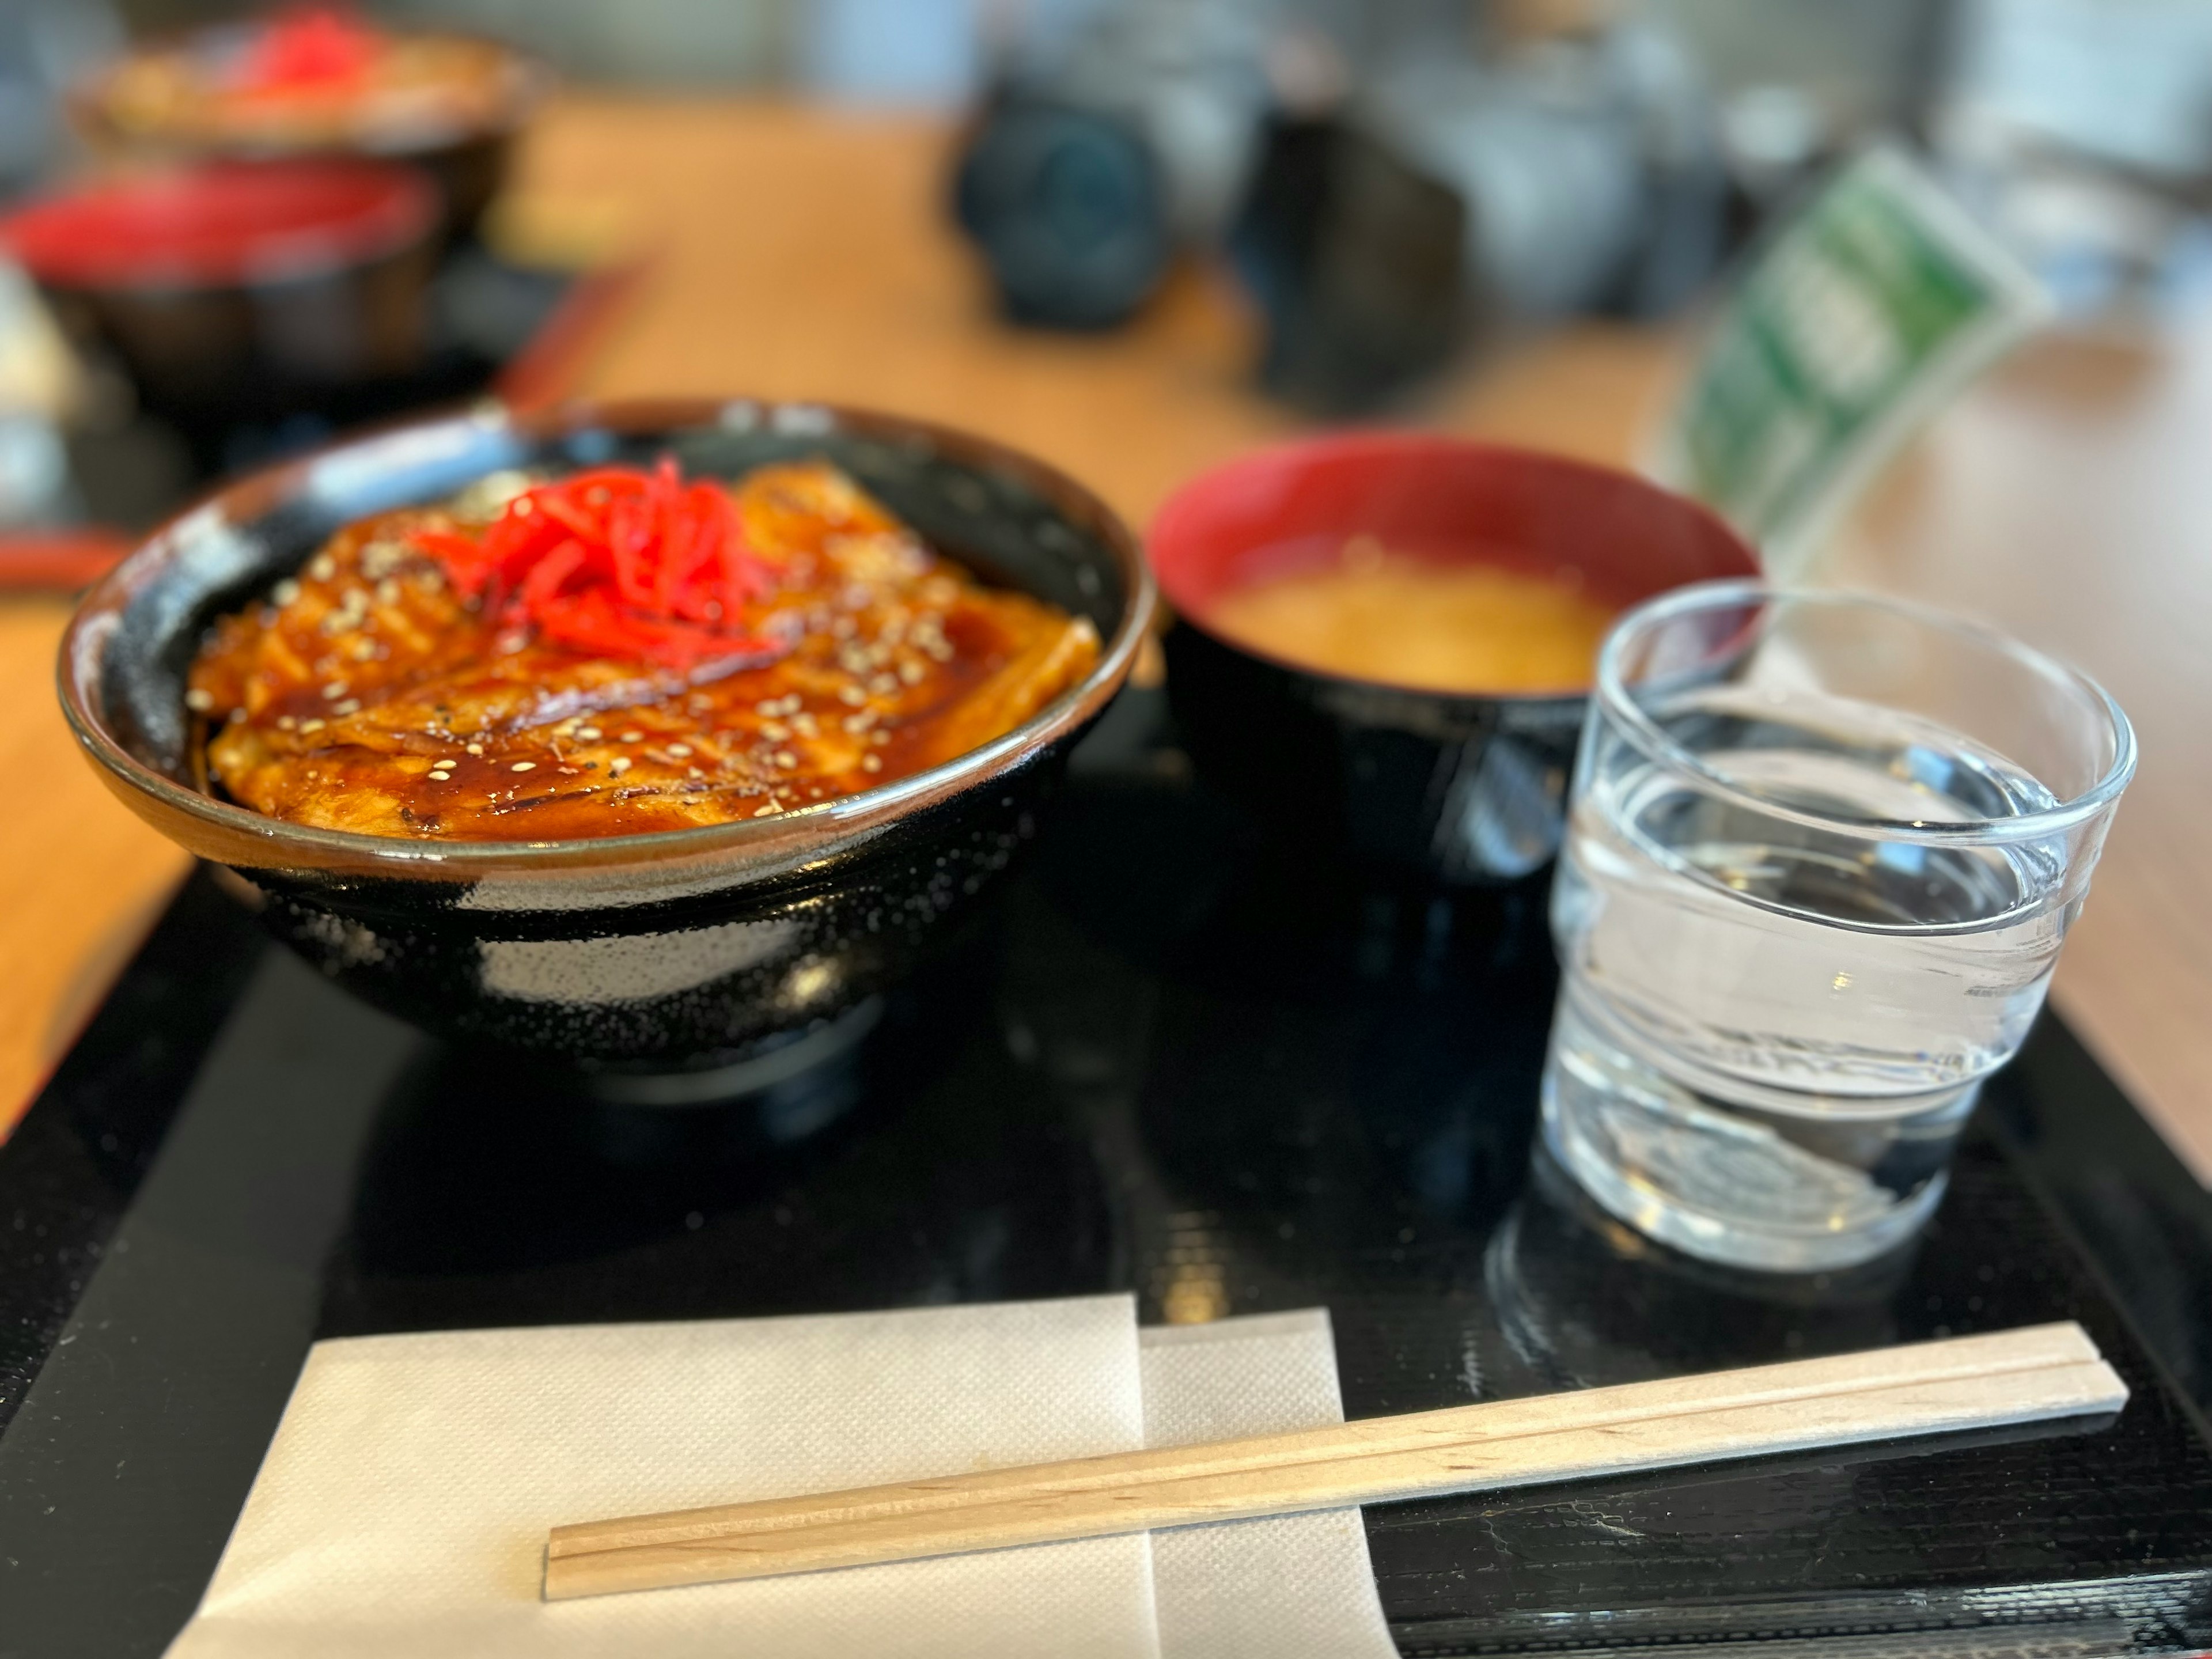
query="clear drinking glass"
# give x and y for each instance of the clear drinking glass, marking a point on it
(1821, 853)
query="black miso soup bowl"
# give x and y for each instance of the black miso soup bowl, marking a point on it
(1449, 788)
(673, 952)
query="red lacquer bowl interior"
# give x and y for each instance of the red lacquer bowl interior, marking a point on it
(220, 224)
(1444, 499)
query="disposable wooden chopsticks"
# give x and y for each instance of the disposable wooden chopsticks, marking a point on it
(1964, 1382)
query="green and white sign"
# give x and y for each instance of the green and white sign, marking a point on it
(1856, 324)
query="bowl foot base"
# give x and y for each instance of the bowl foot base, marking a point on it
(763, 1066)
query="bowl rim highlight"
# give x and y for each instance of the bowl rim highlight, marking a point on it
(1175, 520)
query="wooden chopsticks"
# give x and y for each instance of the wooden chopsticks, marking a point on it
(1963, 1382)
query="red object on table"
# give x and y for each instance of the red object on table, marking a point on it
(220, 224)
(544, 371)
(59, 560)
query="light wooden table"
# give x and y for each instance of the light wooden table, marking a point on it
(803, 254)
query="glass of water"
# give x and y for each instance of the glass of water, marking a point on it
(1822, 851)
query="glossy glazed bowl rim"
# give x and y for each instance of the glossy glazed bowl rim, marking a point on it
(82, 656)
(1401, 441)
(1616, 703)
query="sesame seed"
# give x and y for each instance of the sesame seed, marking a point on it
(912, 673)
(879, 737)
(285, 592)
(200, 702)
(475, 749)
(871, 763)
(859, 723)
(335, 689)
(350, 706)
(774, 731)
(633, 737)
(589, 733)
(883, 685)
(617, 766)
(851, 696)
(679, 749)
(441, 777)
(771, 807)
(786, 760)
(387, 591)
(323, 567)
(311, 726)
(524, 766)
(286, 723)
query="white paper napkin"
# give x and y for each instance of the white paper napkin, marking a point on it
(1291, 1586)
(404, 1504)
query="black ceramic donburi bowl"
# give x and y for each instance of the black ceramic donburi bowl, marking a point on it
(232, 292)
(1458, 788)
(662, 951)
(467, 157)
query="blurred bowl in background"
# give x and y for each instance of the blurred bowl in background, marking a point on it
(230, 291)
(312, 82)
(1468, 788)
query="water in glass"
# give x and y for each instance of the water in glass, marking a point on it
(1771, 1029)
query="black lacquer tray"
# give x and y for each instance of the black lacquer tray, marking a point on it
(1168, 1065)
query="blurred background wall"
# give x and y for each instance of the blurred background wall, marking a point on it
(1388, 180)
(1861, 57)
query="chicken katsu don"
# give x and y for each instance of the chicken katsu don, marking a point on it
(617, 651)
